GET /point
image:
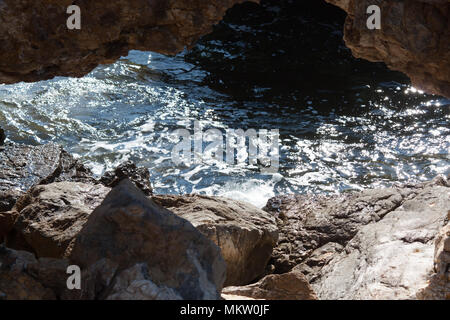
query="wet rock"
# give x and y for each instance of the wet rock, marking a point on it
(439, 283)
(144, 239)
(414, 38)
(288, 286)
(22, 167)
(245, 234)
(37, 45)
(391, 258)
(50, 216)
(140, 176)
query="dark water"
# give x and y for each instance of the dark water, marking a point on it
(344, 123)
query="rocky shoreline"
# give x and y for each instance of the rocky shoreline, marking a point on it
(391, 243)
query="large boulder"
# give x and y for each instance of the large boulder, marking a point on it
(16, 283)
(309, 222)
(287, 286)
(414, 38)
(391, 258)
(375, 244)
(154, 252)
(22, 167)
(37, 45)
(245, 234)
(50, 216)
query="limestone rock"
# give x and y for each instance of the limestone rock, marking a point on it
(439, 284)
(308, 222)
(130, 230)
(37, 45)
(50, 216)
(245, 234)
(22, 167)
(391, 258)
(414, 38)
(288, 286)
(140, 176)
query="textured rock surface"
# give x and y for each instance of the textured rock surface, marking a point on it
(37, 45)
(414, 38)
(23, 166)
(376, 244)
(308, 222)
(16, 283)
(140, 176)
(245, 234)
(165, 251)
(439, 286)
(50, 216)
(392, 258)
(287, 286)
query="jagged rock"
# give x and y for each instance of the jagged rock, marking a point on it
(37, 45)
(15, 282)
(439, 284)
(140, 176)
(414, 38)
(391, 258)
(308, 222)
(287, 286)
(23, 166)
(142, 238)
(50, 216)
(245, 234)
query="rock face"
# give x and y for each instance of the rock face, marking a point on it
(439, 286)
(37, 45)
(368, 245)
(154, 252)
(17, 281)
(414, 38)
(23, 166)
(288, 286)
(245, 234)
(50, 216)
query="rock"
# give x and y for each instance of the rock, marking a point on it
(22, 167)
(414, 38)
(140, 176)
(391, 258)
(37, 45)
(245, 234)
(50, 216)
(288, 286)
(308, 222)
(163, 250)
(439, 284)
(15, 282)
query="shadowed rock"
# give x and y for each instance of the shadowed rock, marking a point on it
(414, 38)
(50, 216)
(166, 253)
(245, 234)
(37, 45)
